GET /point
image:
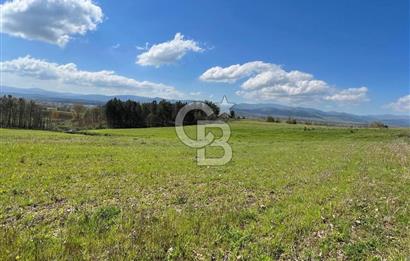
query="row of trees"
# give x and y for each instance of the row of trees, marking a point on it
(20, 113)
(27, 114)
(290, 120)
(131, 114)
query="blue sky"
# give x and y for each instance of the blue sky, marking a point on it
(345, 55)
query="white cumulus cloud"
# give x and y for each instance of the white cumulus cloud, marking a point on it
(266, 81)
(349, 95)
(235, 72)
(68, 76)
(168, 52)
(51, 21)
(270, 82)
(401, 105)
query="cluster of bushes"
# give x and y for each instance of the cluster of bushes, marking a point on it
(290, 120)
(271, 119)
(378, 124)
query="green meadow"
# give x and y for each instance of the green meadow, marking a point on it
(288, 193)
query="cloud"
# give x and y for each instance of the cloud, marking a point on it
(235, 72)
(349, 95)
(270, 82)
(143, 48)
(51, 21)
(168, 52)
(69, 76)
(116, 46)
(195, 94)
(266, 81)
(401, 105)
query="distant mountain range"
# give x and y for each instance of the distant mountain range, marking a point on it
(61, 97)
(281, 111)
(242, 109)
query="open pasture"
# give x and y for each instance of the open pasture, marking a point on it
(138, 194)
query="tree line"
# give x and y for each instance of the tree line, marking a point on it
(27, 114)
(131, 114)
(20, 113)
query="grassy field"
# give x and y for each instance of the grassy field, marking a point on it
(138, 194)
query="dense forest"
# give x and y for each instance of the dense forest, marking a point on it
(131, 114)
(27, 114)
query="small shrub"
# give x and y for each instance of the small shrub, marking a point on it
(101, 220)
(378, 124)
(107, 213)
(306, 128)
(291, 121)
(271, 119)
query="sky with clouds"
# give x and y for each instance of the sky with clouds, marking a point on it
(348, 55)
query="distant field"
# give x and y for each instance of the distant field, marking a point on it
(138, 194)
